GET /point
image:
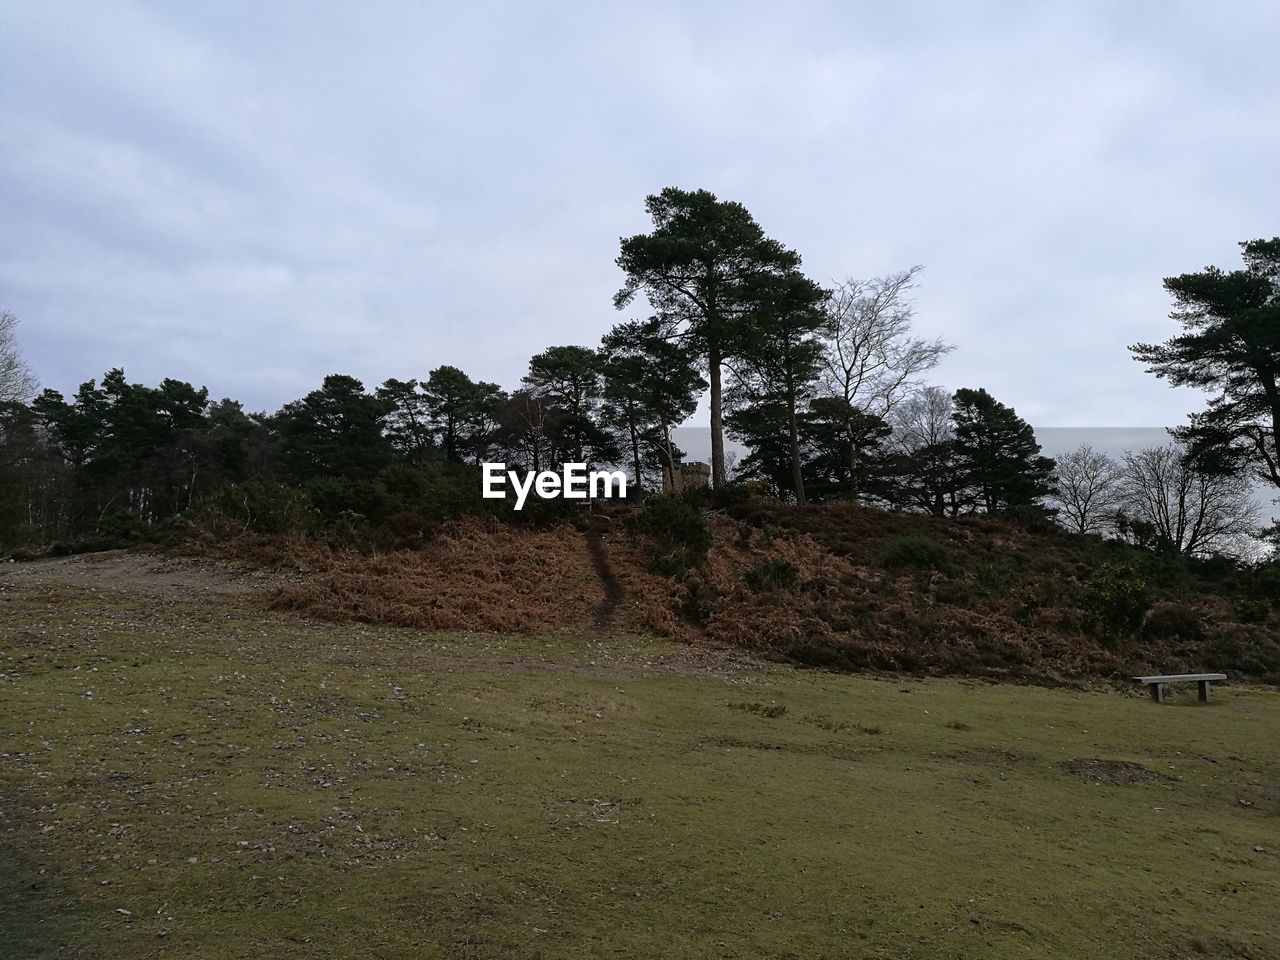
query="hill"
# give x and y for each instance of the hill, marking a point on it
(836, 585)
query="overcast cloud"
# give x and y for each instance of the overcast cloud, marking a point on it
(249, 196)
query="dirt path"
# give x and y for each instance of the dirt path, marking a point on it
(613, 590)
(147, 574)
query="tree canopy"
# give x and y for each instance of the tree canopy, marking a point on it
(1230, 346)
(701, 268)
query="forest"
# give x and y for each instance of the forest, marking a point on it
(825, 388)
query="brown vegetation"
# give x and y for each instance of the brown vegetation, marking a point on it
(837, 586)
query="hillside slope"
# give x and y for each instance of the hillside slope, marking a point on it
(837, 586)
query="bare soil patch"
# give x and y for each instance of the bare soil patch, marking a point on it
(148, 574)
(1118, 773)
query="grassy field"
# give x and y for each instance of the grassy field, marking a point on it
(182, 775)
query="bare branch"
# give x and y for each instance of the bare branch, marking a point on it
(1195, 512)
(872, 361)
(17, 384)
(1087, 490)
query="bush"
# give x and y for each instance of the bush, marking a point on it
(918, 552)
(340, 501)
(680, 535)
(673, 563)
(1250, 610)
(1118, 598)
(436, 491)
(772, 573)
(736, 494)
(1170, 620)
(1247, 650)
(1263, 582)
(257, 506)
(120, 525)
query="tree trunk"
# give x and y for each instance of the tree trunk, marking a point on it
(797, 470)
(717, 418)
(853, 465)
(673, 476)
(635, 448)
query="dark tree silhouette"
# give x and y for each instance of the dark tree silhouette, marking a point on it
(699, 269)
(1230, 346)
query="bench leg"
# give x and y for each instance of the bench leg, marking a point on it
(1157, 692)
(1204, 691)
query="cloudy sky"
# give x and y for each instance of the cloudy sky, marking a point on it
(249, 196)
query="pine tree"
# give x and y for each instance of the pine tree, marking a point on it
(997, 454)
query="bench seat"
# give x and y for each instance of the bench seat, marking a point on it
(1157, 683)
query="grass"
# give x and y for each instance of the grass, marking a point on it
(197, 780)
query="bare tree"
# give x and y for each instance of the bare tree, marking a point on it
(1190, 510)
(16, 382)
(872, 361)
(923, 420)
(1088, 489)
(923, 441)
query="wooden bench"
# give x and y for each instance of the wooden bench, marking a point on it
(1157, 683)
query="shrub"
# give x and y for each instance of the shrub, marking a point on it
(1167, 571)
(120, 525)
(680, 535)
(914, 551)
(1170, 620)
(1250, 610)
(340, 500)
(439, 491)
(1263, 581)
(736, 494)
(1118, 598)
(1247, 650)
(257, 506)
(772, 573)
(673, 563)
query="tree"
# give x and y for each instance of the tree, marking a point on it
(529, 428)
(334, 432)
(463, 413)
(650, 384)
(16, 381)
(998, 454)
(698, 268)
(761, 424)
(1191, 510)
(241, 441)
(1230, 346)
(871, 360)
(33, 489)
(75, 429)
(846, 454)
(132, 451)
(408, 419)
(924, 460)
(1087, 489)
(780, 356)
(571, 379)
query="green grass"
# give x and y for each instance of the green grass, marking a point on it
(251, 786)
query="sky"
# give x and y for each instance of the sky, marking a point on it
(251, 196)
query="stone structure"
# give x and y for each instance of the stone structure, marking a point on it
(692, 475)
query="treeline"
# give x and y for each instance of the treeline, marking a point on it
(825, 388)
(117, 458)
